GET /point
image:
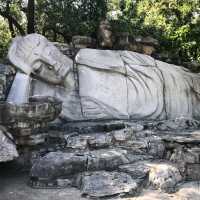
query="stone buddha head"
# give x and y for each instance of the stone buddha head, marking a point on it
(35, 55)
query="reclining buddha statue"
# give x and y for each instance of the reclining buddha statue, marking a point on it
(106, 84)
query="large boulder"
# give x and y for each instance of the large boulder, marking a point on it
(105, 184)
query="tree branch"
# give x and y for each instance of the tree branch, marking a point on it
(12, 20)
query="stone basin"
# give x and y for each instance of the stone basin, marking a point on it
(38, 109)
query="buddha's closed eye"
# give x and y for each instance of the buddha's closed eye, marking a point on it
(37, 67)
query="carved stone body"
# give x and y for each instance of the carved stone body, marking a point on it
(106, 84)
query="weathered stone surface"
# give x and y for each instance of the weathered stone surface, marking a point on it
(63, 183)
(156, 146)
(39, 109)
(136, 127)
(105, 37)
(150, 41)
(59, 165)
(8, 150)
(123, 41)
(56, 165)
(31, 140)
(161, 175)
(90, 127)
(92, 141)
(33, 114)
(7, 74)
(183, 138)
(164, 176)
(149, 142)
(148, 50)
(186, 191)
(3, 115)
(123, 135)
(175, 124)
(186, 155)
(137, 170)
(107, 159)
(135, 157)
(100, 140)
(144, 134)
(77, 141)
(193, 172)
(105, 184)
(66, 49)
(83, 41)
(112, 84)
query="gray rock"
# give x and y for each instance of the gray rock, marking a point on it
(106, 184)
(150, 41)
(93, 141)
(137, 170)
(105, 35)
(58, 164)
(31, 140)
(164, 176)
(77, 141)
(8, 149)
(176, 124)
(183, 138)
(161, 175)
(144, 134)
(105, 159)
(55, 165)
(123, 135)
(193, 172)
(135, 157)
(83, 41)
(186, 160)
(186, 155)
(63, 183)
(100, 140)
(136, 127)
(156, 146)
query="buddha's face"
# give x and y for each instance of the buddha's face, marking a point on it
(34, 54)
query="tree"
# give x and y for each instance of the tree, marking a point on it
(175, 23)
(5, 37)
(71, 17)
(10, 10)
(31, 16)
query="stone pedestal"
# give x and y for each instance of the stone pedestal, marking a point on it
(28, 122)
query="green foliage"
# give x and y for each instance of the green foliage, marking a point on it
(71, 17)
(175, 23)
(13, 10)
(5, 38)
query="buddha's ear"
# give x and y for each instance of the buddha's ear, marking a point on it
(16, 55)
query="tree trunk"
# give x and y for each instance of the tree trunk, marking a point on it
(11, 27)
(31, 16)
(13, 20)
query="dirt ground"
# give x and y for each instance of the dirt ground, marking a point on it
(13, 187)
